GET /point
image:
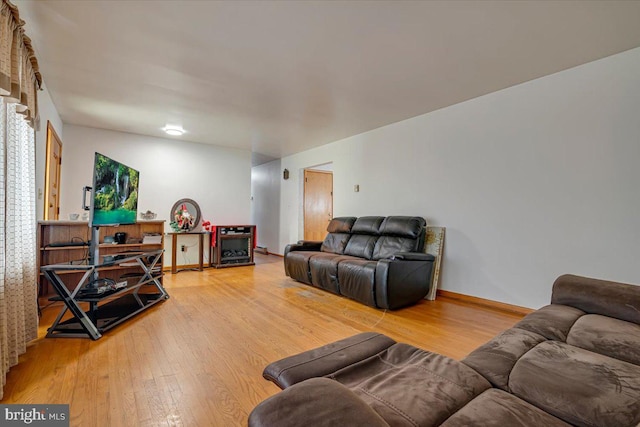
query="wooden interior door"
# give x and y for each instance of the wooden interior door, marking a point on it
(52, 174)
(318, 203)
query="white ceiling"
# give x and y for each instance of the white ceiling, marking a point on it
(278, 78)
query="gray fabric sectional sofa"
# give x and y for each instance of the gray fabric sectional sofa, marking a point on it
(573, 362)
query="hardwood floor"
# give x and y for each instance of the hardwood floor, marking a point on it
(197, 358)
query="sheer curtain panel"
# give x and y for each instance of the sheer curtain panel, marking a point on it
(19, 82)
(18, 272)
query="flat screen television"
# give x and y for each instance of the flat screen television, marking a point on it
(114, 197)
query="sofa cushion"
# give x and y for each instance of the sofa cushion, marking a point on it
(403, 226)
(411, 387)
(496, 408)
(298, 265)
(388, 246)
(495, 359)
(324, 270)
(339, 234)
(365, 232)
(335, 243)
(361, 245)
(357, 280)
(318, 402)
(552, 321)
(608, 336)
(341, 224)
(399, 234)
(581, 387)
(368, 225)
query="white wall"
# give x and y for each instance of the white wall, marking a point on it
(325, 167)
(531, 182)
(48, 112)
(218, 179)
(265, 207)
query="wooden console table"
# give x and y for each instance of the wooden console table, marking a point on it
(174, 250)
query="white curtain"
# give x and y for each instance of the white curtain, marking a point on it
(20, 77)
(18, 271)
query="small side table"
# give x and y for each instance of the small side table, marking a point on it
(174, 250)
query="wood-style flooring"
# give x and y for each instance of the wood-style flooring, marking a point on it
(197, 358)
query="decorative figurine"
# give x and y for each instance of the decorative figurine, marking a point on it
(183, 220)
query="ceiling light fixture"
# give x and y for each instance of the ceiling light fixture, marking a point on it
(173, 130)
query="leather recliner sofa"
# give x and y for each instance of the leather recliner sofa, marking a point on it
(573, 362)
(378, 261)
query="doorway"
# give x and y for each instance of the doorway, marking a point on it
(318, 203)
(52, 174)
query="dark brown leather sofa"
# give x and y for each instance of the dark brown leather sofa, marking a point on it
(378, 261)
(573, 362)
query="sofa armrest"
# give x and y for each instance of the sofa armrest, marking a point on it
(414, 256)
(403, 280)
(303, 245)
(314, 243)
(327, 359)
(595, 296)
(315, 402)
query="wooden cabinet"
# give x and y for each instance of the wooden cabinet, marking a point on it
(233, 245)
(67, 242)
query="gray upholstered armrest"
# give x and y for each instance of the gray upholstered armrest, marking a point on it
(595, 296)
(327, 359)
(414, 256)
(312, 403)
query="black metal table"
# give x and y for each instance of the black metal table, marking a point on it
(109, 308)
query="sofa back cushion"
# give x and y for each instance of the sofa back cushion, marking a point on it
(411, 227)
(339, 234)
(365, 233)
(335, 243)
(368, 225)
(495, 359)
(400, 234)
(579, 386)
(408, 386)
(361, 245)
(607, 336)
(341, 224)
(388, 246)
(595, 296)
(552, 321)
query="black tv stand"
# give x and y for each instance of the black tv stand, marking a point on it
(110, 308)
